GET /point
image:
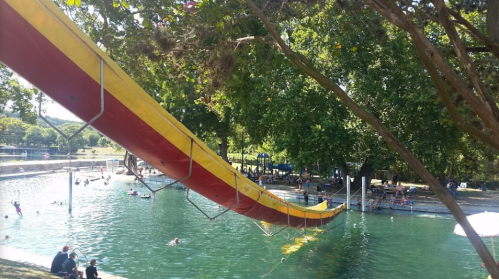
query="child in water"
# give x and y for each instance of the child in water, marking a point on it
(18, 207)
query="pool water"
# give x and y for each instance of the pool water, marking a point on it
(129, 237)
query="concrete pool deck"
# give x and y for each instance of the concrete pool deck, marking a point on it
(471, 201)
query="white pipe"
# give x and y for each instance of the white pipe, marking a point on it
(363, 193)
(348, 192)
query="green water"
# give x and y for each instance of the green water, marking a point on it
(129, 237)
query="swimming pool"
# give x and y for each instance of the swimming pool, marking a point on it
(129, 237)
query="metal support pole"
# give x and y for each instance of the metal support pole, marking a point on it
(70, 205)
(348, 192)
(69, 138)
(363, 193)
(242, 151)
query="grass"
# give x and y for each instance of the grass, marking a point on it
(100, 151)
(16, 270)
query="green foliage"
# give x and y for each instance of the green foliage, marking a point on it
(13, 131)
(78, 142)
(19, 96)
(33, 136)
(49, 136)
(103, 141)
(92, 138)
(214, 67)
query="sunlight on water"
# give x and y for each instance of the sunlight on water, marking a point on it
(129, 237)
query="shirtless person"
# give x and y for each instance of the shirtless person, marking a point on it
(399, 189)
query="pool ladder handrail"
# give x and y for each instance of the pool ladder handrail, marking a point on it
(77, 261)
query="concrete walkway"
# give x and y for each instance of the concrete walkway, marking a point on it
(471, 201)
(23, 174)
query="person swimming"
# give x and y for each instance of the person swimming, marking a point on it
(175, 242)
(18, 207)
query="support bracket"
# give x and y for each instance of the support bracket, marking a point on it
(228, 209)
(154, 191)
(69, 138)
(276, 233)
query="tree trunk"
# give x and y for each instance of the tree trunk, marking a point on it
(224, 146)
(493, 20)
(308, 68)
(365, 170)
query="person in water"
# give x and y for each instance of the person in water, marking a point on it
(18, 207)
(59, 259)
(175, 241)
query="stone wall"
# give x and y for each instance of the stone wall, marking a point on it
(8, 168)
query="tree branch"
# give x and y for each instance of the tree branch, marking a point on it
(395, 15)
(449, 103)
(418, 167)
(465, 60)
(482, 38)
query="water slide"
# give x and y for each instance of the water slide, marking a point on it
(41, 44)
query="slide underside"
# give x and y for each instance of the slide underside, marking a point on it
(46, 48)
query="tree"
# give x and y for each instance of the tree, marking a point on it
(103, 142)
(92, 138)
(395, 14)
(49, 136)
(457, 74)
(33, 136)
(20, 96)
(14, 130)
(78, 142)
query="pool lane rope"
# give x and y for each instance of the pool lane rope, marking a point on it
(280, 262)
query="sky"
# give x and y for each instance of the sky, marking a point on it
(51, 107)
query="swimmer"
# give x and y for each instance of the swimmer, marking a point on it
(37, 212)
(7, 237)
(6, 216)
(18, 207)
(175, 242)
